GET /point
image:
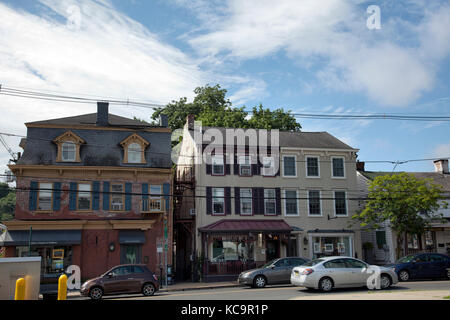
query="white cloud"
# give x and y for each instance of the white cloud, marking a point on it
(101, 52)
(350, 57)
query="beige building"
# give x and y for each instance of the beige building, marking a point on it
(246, 209)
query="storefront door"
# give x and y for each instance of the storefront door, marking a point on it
(272, 249)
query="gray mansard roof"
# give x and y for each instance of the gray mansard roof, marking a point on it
(102, 146)
(307, 140)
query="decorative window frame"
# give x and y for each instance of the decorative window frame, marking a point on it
(91, 196)
(134, 138)
(38, 197)
(68, 136)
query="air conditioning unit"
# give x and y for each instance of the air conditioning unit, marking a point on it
(192, 211)
(9, 176)
(116, 207)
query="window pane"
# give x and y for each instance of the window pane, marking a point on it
(340, 203)
(312, 167)
(268, 166)
(217, 165)
(291, 202)
(68, 151)
(134, 153)
(45, 196)
(218, 201)
(314, 202)
(246, 201)
(269, 201)
(117, 199)
(338, 167)
(84, 196)
(289, 166)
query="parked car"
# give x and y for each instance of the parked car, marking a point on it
(339, 272)
(128, 278)
(422, 266)
(274, 272)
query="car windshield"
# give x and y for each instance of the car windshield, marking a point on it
(268, 264)
(312, 262)
(406, 259)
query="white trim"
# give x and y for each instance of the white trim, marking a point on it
(332, 167)
(298, 206)
(318, 166)
(319, 149)
(346, 204)
(320, 201)
(295, 165)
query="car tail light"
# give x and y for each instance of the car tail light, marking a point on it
(155, 277)
(307, 271)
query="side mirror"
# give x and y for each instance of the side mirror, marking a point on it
(272, 267)
(110, 275)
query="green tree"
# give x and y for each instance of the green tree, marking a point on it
(7, 206)
(409, 205)
(211, 106)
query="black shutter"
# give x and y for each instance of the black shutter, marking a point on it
(227, 200)
(236, 165)
(227, 169)
(237, 200)
(255, 169)
(208, 200)
(208, 169)
(278, 200)
(256, 201)
(261, 200)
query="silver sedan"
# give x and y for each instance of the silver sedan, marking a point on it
(342, 272)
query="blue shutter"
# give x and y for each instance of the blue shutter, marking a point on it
(33, 195)
(56, 196)
(166, 192)
(96, 195)
(144, 191)
(105, 195)
(128, 188)
(73, 196)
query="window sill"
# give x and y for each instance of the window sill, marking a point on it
(43, 211)
(313, 177)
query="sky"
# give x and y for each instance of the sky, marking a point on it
(307, 56)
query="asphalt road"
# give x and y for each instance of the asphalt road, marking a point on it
(280, 292)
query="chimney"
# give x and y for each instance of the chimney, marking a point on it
(190, 121)
(359, 166)
(441, 166)
(102, 113)
(163, 121)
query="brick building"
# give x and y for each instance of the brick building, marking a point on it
(93, 191)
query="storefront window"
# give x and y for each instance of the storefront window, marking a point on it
(55, 259)
(331, 246)
(231, 250)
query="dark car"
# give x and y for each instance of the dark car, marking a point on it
(422, 266)
(277, 271)
(128, 278)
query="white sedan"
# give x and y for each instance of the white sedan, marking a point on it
(342, 272)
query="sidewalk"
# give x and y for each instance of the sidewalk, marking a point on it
(184, 286)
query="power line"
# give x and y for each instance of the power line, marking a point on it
(9, 91)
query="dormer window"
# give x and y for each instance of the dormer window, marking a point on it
(134, 153)
(134, 149)
(69, 150)
(68, 147)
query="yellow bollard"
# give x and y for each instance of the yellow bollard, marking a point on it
(20, 289)
(62, 287)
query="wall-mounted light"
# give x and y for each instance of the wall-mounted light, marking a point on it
(305, 241)
(112, 246)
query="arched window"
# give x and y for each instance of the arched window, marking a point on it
(134, 153)
(68, 151)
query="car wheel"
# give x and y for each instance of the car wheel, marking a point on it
(96, 293)
(259, 282)
(403, 275)
(385, 281)
(148, 289)
(326, 284)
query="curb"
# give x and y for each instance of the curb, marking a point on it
(201, 288)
